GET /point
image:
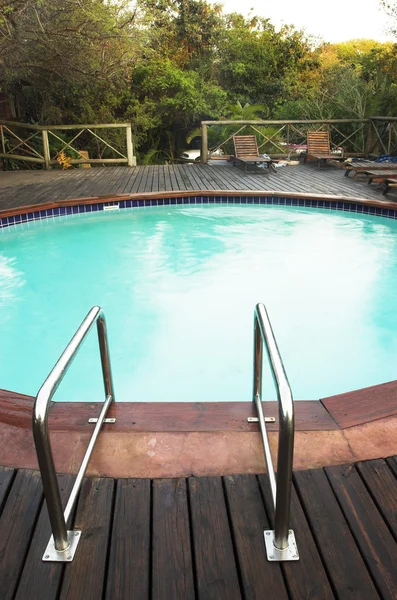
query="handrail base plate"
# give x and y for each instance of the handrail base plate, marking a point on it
(276, 555)
(51, 554)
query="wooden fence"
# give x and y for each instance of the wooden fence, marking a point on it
(25, 143)
(357, 137)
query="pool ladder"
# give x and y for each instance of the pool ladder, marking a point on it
(280, 542)
(63, 543)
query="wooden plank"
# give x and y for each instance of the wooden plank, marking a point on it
(37, 575)
(187, 416)
(85, 577)
(172, 561)
(216, 570)
(259, 577)
(306, 578)
(6, 478)
(17, 522)
(340, 555)
(392, 463)
(129, 559)
(372, 535)
(382, 485)
(363, 406)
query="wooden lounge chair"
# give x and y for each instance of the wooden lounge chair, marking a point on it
(319, 147)
(246, 152)
(380, 176)
(391, 183)
(360, 168)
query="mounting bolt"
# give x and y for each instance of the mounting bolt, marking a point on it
(271, 556)
(69, 558)
(47, 556)
(77, 533)
(267, 532)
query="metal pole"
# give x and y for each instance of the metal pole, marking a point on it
(284, 477)
(280, 543)
(105, 357)
(87, 456)
(49, 479)
(45, 458)
(257, 397)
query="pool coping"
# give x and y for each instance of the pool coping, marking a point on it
(58, 208)
(173, 439)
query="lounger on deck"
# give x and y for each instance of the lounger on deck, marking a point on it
(391, 183)
(319, 147)
(380, 176)
(246, 152)
(360, 168)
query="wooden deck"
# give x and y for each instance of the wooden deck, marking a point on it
(25, 188)
(202, 538)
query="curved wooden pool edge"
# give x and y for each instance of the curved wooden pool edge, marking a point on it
(210, 438)
(21, 210)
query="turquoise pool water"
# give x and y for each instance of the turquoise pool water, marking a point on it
(179, 285)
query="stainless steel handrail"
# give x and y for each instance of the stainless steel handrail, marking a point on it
(283, 541)
(63, 545)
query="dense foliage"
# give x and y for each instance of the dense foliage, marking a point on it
(167, 64)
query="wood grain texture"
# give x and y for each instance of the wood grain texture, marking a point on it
(363, 406)
(340, 555)
(38, 575)
(17, 523)
(373, 537)
(392, 463)
(216, 570)
(52, 189)
(381, 484)
(129, 559)
(248, 521)
(6, 477)
(306, 578)
(16, 409)
(85, 577)
(187, 416)
(172, 561)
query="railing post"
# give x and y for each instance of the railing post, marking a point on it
(204, 143)
(131, 159)
(368, 141)
(46, 149)
(3, 146)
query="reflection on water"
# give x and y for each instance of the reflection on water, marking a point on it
(10, 282)
(178, 286)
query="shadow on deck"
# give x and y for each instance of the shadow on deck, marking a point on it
(181, 539)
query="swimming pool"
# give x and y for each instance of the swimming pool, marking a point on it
(178, 286)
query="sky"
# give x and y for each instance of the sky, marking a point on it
(332, 22)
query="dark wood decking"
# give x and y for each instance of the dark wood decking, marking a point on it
(202, 538)
(25, 188)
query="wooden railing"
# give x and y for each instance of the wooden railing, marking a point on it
(357, 137)
(26, 143)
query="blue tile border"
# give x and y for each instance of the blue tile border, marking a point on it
(66, 211)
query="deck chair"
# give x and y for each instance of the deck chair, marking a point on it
(391, 183)
(246, 152)
(319, 147)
